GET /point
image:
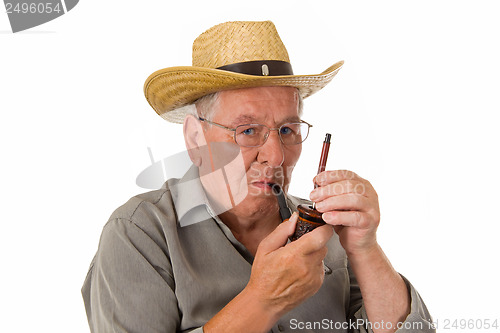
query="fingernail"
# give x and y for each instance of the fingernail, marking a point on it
(314, 195)
(293, 218)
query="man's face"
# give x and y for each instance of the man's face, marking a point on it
(270, 163)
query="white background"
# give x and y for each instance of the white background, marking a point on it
(414, 110)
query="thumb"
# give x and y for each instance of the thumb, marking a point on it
(279, 236)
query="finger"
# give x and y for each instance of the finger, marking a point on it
(279, 236)
(313, 241)
(318, 256)
(350, 219)
(338, 188)
(330, 176)
(315, 260)
(349, 201)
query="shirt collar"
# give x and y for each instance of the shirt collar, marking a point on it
(192, 205)
(190, 200)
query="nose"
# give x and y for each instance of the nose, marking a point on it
(272, 152)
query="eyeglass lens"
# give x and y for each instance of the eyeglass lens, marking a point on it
(254, 135)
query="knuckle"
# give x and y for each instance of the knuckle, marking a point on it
(360, 220)
(356, 199)
(302, 271)
(357, 217)
(359, 188)
(324, 252)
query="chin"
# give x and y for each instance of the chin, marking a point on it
(258, 204)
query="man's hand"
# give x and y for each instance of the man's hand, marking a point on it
(283, 276)
(350, 204)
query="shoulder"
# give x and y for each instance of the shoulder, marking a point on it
(151, 198)
(146, 206)
(151, 214)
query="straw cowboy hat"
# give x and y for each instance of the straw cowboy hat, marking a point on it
(227, 56)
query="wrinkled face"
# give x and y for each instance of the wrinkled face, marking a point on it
(273, 162)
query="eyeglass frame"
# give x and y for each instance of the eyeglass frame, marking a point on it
(267, 136)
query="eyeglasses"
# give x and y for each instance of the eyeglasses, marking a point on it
(255, 135)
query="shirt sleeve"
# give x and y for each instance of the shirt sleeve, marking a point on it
(419, 319)
(130, 287)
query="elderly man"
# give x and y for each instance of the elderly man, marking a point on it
(214, 256)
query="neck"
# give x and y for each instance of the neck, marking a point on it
(251, 230)
(251, 220)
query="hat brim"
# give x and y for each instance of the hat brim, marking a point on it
(171, 88)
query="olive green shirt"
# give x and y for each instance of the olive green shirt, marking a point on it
(152, 273)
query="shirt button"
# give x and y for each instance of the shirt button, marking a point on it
(281, 328)
(327, 269)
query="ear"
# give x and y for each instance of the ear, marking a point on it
(194, 138)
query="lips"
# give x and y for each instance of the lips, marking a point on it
(264, 183)
(265, 178)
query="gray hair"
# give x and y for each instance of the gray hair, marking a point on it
(206, 106)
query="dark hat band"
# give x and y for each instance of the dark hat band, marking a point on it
(260, 68)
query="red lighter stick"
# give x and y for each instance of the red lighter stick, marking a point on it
(324, 155)
(322, 160)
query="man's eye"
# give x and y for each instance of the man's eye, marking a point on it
(248, 131)
(286, 130)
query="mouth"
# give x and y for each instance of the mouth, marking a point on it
(264, 184)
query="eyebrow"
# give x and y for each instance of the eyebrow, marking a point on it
(293, 119)
(243, 119)
(246, 119)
